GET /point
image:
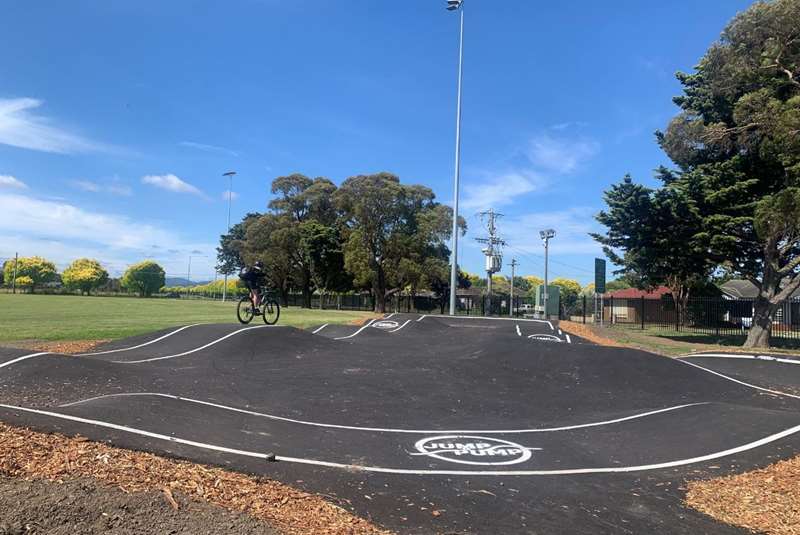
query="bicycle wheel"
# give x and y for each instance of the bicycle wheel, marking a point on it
(271, 312)
(244, 310)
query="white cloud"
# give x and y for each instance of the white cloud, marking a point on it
(171, 182)
(232, 195)
(114, 187)
(572, 225)
(209, 148)
(569, 124)
(8, 181)
(560, 155)
(500, 190)
(63, 232)
(21, 127)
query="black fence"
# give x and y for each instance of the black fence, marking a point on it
(704, 315)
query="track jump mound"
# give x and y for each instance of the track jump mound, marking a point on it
(468, 416)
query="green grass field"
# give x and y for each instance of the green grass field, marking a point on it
(65, 317)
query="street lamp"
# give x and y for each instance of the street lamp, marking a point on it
(456, 5)
(189, 268)
(546, 236)
(229, 174)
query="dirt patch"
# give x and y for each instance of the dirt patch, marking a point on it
(65, 347)
(30, 454)
(364, 320)
(766, 500)
(587, 332)
(39, 506)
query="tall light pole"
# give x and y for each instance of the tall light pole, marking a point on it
(546, 236)
(456, 5)
(229, 174)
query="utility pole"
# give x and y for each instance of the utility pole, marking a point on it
(546, 236)
(14, 280)
(229, 174)
(514, 264)
(494, 258)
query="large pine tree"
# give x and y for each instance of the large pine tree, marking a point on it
(736, 144)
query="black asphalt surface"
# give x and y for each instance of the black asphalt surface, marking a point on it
(501, 426)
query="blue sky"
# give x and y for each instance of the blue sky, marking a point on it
(117, 119)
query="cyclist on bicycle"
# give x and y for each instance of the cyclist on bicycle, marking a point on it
(253, 278)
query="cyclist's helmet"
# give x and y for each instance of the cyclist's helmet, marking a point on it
(259, 265)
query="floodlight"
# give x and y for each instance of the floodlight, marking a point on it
(453, 5)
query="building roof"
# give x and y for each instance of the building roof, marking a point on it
(743, 289)
(631, 293)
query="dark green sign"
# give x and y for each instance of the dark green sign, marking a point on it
(599, 275)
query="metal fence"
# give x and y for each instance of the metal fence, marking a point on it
(704, 315)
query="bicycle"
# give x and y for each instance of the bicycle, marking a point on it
(270, 310)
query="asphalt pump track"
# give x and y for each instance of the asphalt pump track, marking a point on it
(498, 425)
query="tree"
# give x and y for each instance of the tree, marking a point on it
(299, 200)
(533, 283)
(85, 275)
(569, 290)
(144, 278)
(25, 283)
(385, 222)
(322, 248)
(737, 145)
(38, 271)
(264, 241)
(621, 283)
(229, 252)
(657, 230)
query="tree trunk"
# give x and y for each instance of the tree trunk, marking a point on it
(761, 328)
(380, 291)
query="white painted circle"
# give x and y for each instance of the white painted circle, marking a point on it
(473, 450)
(385, 324)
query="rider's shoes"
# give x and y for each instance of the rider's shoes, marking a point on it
(257, 311)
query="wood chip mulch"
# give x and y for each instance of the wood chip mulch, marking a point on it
(587, 333)
(764, 501)
(66, 347)
(28, 454)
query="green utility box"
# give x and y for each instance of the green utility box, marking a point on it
(553, 300)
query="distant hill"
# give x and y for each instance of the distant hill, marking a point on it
(179, 281)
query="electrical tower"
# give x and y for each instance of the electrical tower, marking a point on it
(492, 251)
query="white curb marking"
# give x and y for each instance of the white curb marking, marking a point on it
(377, 469)
(140, 345)
(355, 333)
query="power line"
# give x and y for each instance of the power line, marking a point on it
(540, 259)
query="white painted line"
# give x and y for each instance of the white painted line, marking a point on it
(403, 325)
(551, 326)
(569, 340)
(234, 333)
(519, 333)
(390, 315)
(560, 333)
(24, 357)
(319, 329)
(355, 333)
(378, 469)
(446, 316)
(777, 392)
(140, 345)
(390, 430)
(747, 357)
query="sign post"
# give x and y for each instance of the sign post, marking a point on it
(600, 282)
